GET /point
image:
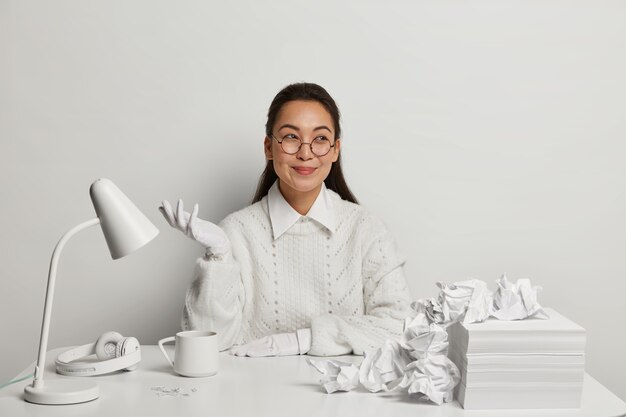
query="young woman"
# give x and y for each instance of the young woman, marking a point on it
(304, 269)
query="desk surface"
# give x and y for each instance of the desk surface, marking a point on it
(285, 386)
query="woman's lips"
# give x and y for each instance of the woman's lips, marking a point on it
(304, 170)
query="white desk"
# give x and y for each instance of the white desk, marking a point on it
(285, 386)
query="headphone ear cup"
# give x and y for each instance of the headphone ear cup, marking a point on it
(106, 346)
(127, 346)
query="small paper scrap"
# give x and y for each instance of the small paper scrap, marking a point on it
(176, 392)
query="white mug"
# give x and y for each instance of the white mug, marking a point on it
(195, 353)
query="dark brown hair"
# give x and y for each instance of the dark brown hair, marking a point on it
(309, 92)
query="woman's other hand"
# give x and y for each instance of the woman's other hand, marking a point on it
(281, 344)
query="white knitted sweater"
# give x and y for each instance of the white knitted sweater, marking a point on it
(346, 285)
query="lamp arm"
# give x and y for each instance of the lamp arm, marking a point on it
(45, 326)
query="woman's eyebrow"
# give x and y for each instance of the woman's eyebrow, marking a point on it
(323, 127)
(289, 126)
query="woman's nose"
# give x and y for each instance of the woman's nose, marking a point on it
(304, 153)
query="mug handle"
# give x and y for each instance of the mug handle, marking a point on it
(163, 341)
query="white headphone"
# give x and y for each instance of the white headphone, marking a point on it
(114, 352)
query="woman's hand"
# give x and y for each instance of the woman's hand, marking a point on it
(281, 344)
(206, 233)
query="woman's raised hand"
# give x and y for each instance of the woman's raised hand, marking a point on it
(206, 233)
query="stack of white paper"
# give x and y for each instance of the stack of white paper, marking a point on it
(531, 363)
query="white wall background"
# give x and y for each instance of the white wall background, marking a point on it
(490, 136)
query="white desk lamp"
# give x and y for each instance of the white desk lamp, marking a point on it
(125, 229)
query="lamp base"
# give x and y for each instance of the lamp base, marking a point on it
(62, 392)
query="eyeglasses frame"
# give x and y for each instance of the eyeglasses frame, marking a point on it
(300, 147)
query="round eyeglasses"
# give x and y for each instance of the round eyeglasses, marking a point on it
(290, 144)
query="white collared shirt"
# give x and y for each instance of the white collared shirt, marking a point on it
(283, 216)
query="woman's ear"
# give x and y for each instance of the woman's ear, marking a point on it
(336, 149)
(267, 146)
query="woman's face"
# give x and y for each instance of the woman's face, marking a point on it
(302, 172)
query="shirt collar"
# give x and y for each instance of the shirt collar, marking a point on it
(283, 216)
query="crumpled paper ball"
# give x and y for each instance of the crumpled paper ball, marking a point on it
(338, 375)
(516, 301)
(468, 301)
(386, 364)
(433, 376)
(417, 364)
(421, 334)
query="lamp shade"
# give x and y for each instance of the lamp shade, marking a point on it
(125, 228)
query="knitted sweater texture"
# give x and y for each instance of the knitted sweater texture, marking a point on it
(347, 285)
